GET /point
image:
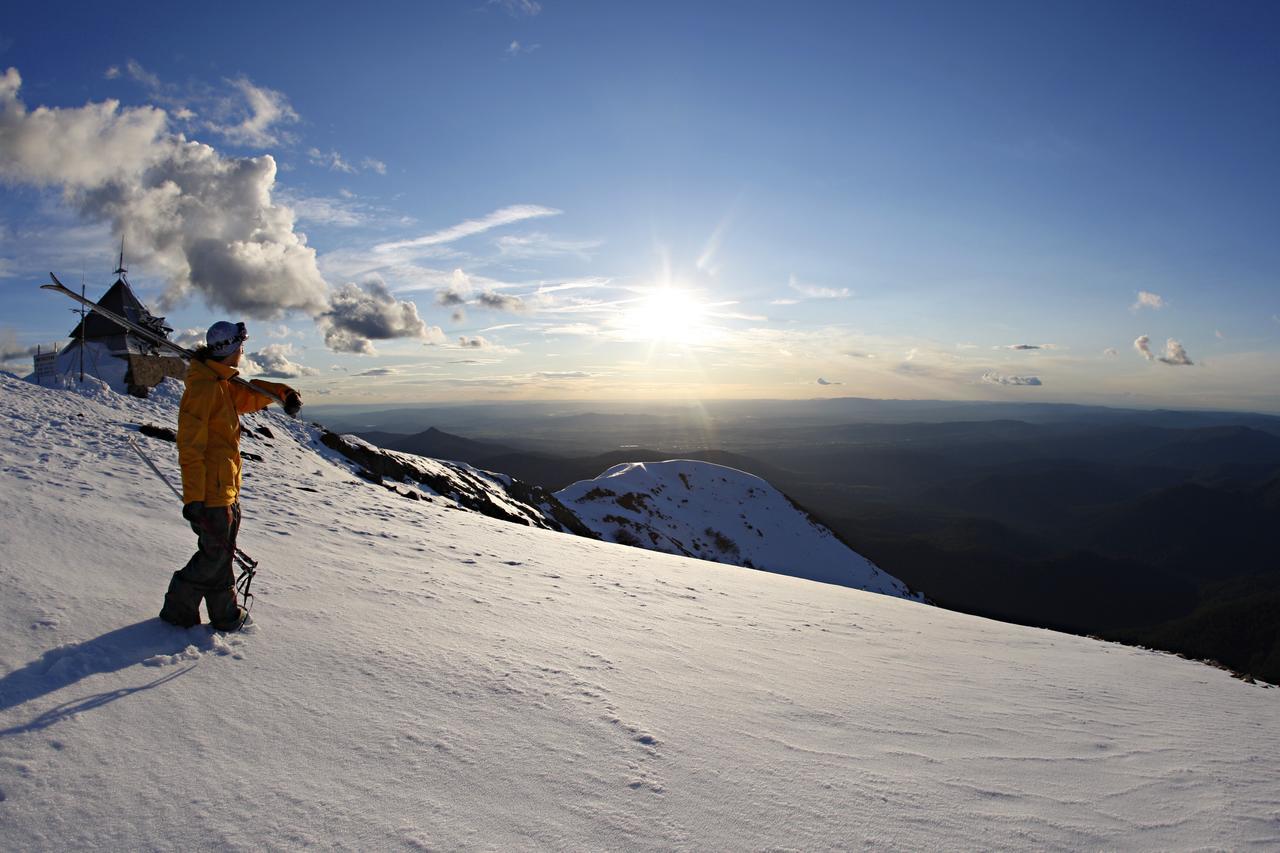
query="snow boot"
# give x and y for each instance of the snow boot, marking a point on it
(181, 603)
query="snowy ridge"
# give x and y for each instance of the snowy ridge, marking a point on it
(708, 511)
(424, 678)
(495, 495)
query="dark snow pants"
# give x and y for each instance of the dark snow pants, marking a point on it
(209, 574)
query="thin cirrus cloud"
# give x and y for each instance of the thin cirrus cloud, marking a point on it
(504, 216)
(812, 291)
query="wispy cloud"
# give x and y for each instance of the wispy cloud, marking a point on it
(563, 374)
(518, 8)
(1146, 299)
(261, 113)
(331, 160)
(822, 381)
(812, 291)
(539, 245)
(1175, 355)
(467, 228)
(518, 49)
(994, 378)
(1026, 346)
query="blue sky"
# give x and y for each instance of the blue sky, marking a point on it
(519, 200)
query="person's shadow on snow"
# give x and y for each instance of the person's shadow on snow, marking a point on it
(149, 642)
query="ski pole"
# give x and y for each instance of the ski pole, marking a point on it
(244, 560)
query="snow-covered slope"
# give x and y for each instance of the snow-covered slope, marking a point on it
(708, 511)
(420, 677)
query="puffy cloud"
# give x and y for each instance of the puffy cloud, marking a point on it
(205, 221)
(998, 379)
(361, 314)
(472, 343)
(10, 349)
(1146, 299)
(273, 360)
(1175, 355)
(500, 301)
(189, 338)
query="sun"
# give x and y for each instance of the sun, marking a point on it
(667, 314)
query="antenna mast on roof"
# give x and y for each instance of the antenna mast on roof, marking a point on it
(120, 271)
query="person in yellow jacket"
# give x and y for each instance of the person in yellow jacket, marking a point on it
(209, 454)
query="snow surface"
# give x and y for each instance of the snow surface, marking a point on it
(420, 677)
(699, 509)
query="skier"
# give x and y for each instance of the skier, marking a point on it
(209, 454)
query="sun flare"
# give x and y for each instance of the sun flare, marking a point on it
(667, 314)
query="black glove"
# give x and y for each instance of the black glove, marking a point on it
(194, 513)
(292, 403)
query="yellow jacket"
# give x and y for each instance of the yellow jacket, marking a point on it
(209, 431)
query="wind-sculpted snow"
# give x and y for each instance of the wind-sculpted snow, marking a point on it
(420, 677)
(711, 512)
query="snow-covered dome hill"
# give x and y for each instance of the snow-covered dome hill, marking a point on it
(711, 512)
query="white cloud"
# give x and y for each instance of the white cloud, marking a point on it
(361, 314)
(1146, 299)
(263, 109)
(518, 49)
(504, 216)
(204, 221)
(1175, 355)
(814, 292)
(369, 164)
(1026, 346)
(539, 245)
(998, 379)
(331, 160)
(563, 374)
(10, 349)
(274, 360)
(1112, 351)
(518, 8)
